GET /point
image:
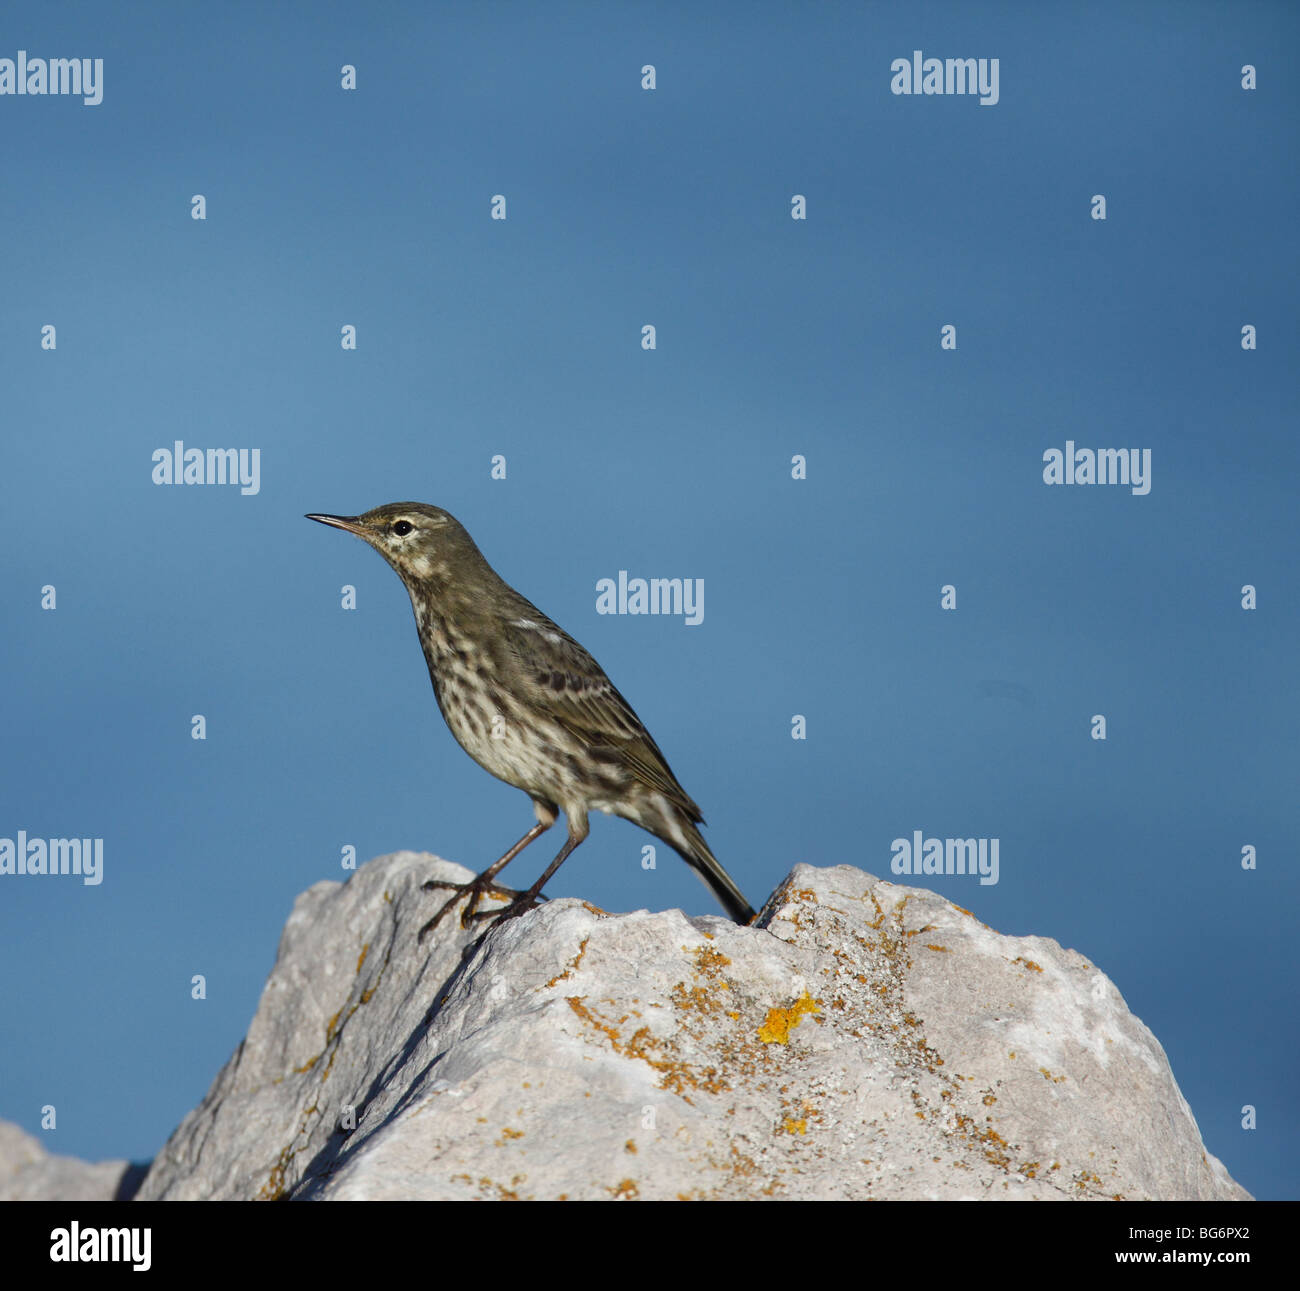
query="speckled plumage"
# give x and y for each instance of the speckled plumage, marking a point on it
(528, 703)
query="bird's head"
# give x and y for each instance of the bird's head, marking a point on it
(423, 544)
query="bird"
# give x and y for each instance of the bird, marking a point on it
(530, 705)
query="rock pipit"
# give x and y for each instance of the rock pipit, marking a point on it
(530, 705)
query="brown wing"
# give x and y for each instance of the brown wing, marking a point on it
(562, 674)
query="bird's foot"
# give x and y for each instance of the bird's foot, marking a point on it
(476, 890)
(522, 903)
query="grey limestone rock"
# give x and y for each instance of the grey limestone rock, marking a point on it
(864, 1040)
(29, 1173)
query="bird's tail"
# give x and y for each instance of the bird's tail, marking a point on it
(692, 848)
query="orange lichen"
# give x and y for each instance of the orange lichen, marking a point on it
(572, 967)
(780, 1022)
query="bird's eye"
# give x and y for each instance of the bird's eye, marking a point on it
(402, 528)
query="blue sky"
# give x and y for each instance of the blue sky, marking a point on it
(775, 337)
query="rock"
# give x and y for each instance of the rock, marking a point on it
(29, 1173)
(864, 1040)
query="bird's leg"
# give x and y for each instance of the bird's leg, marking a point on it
(526, 900)
(482, 885)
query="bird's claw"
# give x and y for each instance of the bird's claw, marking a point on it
(476, 891)
(522, 903)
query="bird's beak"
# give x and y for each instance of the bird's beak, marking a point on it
(351, 523)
